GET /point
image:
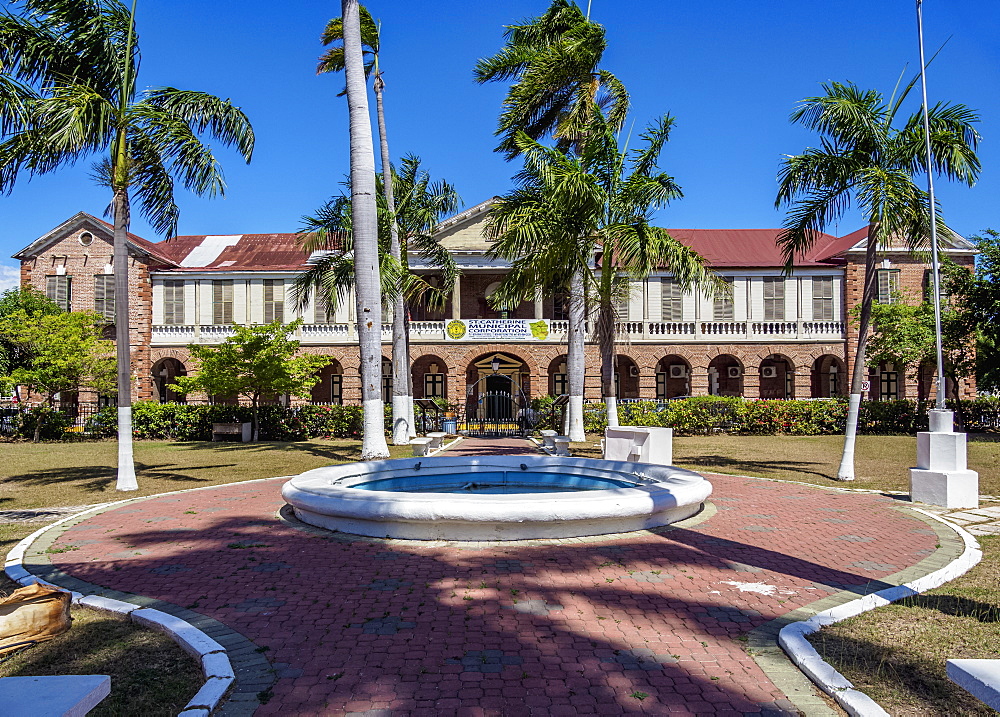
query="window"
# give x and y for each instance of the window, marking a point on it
(888, 285)
(325, 311)
(104, 296)
(173, 302)
(774, 298)
(722, 305)
(433, 385)
(888, 385)
(222, 301)
(929, 286)
(560, 307)
(672, 300)
(822, 298)
(337, 388)
(58, 288)
(274, 300)
(621, 308)
(560, 384)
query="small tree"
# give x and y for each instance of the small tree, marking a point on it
(976, 297)
(64, 352)
(12, 301)
(255, 362)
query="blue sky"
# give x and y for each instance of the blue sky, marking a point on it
(729, 71)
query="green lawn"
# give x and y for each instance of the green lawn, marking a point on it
(896, 654)
(36, 475)
(883, 462)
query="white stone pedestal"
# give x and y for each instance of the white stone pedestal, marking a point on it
(942, 476)
(641, 444)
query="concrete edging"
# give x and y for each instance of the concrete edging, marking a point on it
(792, 637)
(216, 667)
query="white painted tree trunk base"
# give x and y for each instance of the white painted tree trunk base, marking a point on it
(611, 406)
(126, 461)
(373, 445)
(575, 429)
(400, 420)
(846, 470)
(410, 416)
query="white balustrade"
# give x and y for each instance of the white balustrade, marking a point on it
(671, 328)
(724, 328)
(173, 334)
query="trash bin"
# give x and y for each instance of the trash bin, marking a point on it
(450, 425)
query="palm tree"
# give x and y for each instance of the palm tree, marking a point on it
(553, 60)
(364, 223)
(333, 61)
(68, 89)
(422, 205)
(599, 201)
(866, 158)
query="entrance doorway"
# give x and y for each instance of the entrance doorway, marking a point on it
(495, 398)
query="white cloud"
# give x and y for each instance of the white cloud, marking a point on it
(10, 277)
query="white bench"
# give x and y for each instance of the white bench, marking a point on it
(421, 446)
(54, 696)
(221, 431)
(561, 445)
(549, 439)
(437, 439)
(639, 444)
(980, 678)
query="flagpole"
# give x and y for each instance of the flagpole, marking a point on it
(935, 264)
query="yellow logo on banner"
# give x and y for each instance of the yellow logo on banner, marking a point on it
(455, 329)
(540, 330)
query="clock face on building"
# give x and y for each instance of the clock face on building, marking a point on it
(455, 329)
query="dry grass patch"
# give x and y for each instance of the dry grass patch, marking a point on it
(36, 475)
(150, 674)
(896, 654)
(882, 462)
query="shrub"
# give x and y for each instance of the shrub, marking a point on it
(54, 424)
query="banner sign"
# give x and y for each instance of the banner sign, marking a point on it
(497, 329)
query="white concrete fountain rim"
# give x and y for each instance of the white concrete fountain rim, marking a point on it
(663, 494)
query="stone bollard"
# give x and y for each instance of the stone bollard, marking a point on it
(942, 476)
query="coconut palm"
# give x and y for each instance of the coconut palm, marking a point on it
(868, 158)
(68, 89)
(364, 224)
(333, 61)
(599, 201)
(422, 205)
(553, 60)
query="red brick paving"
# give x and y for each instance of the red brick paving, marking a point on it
(575, 628)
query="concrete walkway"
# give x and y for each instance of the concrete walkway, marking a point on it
(643, 623)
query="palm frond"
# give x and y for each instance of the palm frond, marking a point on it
(206, 114)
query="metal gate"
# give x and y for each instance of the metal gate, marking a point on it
(496, 413)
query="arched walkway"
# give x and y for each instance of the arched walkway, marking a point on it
(725, 376)
(777, 377)
(828, 377)
(558, 376)
(430, 377)
(165, 372)
(626, 377)
(673, 377)
(330, 387)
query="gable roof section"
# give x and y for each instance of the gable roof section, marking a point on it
(237, 252)
(137, 243)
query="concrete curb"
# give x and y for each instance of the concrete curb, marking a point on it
(216, 667)
(792, 637)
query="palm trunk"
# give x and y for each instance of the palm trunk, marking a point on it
(126, 463)
(400, 359)
(364, 213)
(576, 359)
(846, 470)
(606, 341)
(411, 420)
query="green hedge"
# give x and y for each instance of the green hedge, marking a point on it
(705, 414)
(183, 422)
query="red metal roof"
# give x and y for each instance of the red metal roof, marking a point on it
(261, 252)
(751, 247)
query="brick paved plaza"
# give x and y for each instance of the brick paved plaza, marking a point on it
(644, 623)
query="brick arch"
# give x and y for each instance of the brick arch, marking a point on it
(524, 356)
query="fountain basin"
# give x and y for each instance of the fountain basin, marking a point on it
(494, 497)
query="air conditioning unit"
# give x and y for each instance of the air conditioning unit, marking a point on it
(633, 371)
(735, 372)
(768, 372)
(678, 370)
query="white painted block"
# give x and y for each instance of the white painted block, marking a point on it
(192, 640)
(210, 694)
(980, 678)
(941, 451)
(950, 489)
(217, 664)
(54, 696)
(641, 444)
(102, 603)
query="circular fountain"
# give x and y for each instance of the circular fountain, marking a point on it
(494, 497)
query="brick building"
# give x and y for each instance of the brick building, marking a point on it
(777, 337)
